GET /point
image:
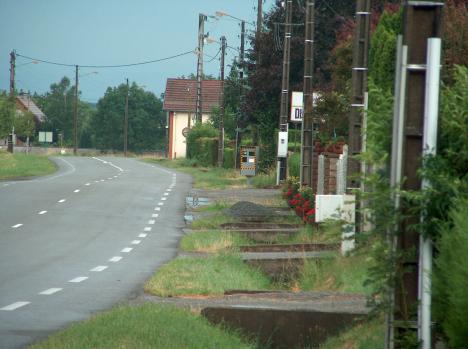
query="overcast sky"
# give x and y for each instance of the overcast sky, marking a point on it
(109, 32)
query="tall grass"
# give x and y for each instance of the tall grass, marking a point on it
(205, 276)
(144, 327)
(212, 241)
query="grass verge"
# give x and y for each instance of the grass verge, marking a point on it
(22, 165)
(144, 327)
(205, 178)
(205, 276)
(212, 241)
(342, 274)
(369, 335)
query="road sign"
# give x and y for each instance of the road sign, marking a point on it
(185, 131)
(45, 137)
(297, 107)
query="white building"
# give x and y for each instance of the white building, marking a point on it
(180, 106)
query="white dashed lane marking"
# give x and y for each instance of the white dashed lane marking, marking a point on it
(142, 235)
(14, 306)
(126, 250)
(16, 225)
(147, 229)
(166, 194)
(76, 191)
(99, 268)
(151, 221)
(160, 203)
(78, 279)
(62, 200)
(51, 291)
(88, 184)
(157, 208)
(115, 259)
(42, 212)
(136, 242)
(155, 215)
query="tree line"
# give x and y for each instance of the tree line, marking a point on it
(99, 126)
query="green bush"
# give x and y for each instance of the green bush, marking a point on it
(294, 164)
(229, 157)
(202, 143)
(450, 277)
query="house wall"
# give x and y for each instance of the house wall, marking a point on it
(177, 142)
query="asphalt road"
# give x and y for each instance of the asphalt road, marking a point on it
(82, 240)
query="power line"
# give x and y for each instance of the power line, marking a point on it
(106, 66)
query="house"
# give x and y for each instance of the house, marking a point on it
(24, 103)
(180, 105)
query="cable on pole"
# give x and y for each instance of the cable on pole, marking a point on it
(107, 66)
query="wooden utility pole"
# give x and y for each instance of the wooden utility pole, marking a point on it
(421, 21)
(201, 37)
(307, 144)
(126, 122)
(12, 72)
(75, 114)
(221, 106)
(358, 89)
(241, 92)
(283, 119)
(259, 28)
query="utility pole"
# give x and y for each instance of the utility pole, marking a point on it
(259, 28)
(358, 89)
(241, 91)
(283, 119)
(75, 114)
(12, 72)
(422, 20)
(126, 122)
(221, 104)
(307, 144)
(201, 37)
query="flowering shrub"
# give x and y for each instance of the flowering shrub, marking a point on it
(300, 200)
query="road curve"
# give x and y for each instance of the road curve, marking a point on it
(82, 240)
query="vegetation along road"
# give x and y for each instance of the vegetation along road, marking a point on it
(81, 240)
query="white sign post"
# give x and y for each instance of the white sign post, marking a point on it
(297, 107)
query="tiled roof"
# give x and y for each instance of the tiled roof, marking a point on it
(29, 105)
(181, 95)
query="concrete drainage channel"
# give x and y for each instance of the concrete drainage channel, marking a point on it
(278, 319)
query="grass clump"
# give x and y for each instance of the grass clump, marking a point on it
(264, 180)
(369, 335)
(212, 241)
(211, 222)
(217, 206)
(205, 276)
(144, 327)
(339, 274)
(205, 177)
(24, 165)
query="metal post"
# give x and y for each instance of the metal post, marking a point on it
(221, 109)
(359, 87)
(201, 36)
(75, 114)
(241, 92)
(12, 72)
(431, 112)
(307, 132)
(126, 122)
(421, 21)
(283, 119)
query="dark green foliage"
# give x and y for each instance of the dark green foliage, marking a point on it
(383, 50)
(145, 120)
(7, 114)
(202, 141)
(450, 277)
(229, 158)
(294, 164)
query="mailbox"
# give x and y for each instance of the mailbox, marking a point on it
(249, 161)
